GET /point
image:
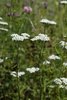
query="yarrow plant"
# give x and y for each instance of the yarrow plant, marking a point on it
(42, 37)
(63, 44)
(2, 24)
(15, 74)
(54, 57)
(46, 62)
(32, 69)
(49, 22)
(33, 52)
(63, 2)
(22, 37)
(62, 82)
(64, 63)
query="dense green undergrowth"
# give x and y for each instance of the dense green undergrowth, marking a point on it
(33, 55)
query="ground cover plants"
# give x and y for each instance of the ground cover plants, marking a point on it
(33, 50)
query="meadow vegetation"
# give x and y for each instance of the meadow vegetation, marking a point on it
(33, 50)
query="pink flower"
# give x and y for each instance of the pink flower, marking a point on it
(27, 9)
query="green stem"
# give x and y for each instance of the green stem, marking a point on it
(18, 87)
(41, 86)
(17, 73)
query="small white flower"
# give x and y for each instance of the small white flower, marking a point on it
(14, 35)
(37, 69)
(25, 34)
(63, 2)
(20, 73)
(3, 23)
(63, 44)
(64, 63)
(58, 81)
(32, 70)
(61, 86)
(35, 38)
(46, 21)
(61, 81)
(22, 37)
(54, 57)
(1, 60)
(4, 29)
(17, 38)
(42, 37)
(15, 74)
(46, 62)
(64, 80)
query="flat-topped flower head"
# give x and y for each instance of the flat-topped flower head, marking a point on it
(64, 63)
(22, 37)
(49, 22)
(61, 81)
(17, 38)
(58, 81)
(25, 34)
(54, 57)
(15, 74)
(14, 35)
(32, 70)
(63, 2)
(63, 44)
(42, 37)
(3, 23)
(64, 80)
(46, 62)
(3, 29)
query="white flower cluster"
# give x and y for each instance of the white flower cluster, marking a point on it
(3, 23)
(22, 37)
(63, 44)
(15, 74)
(42, 37)
(54, 57)
(49, 22)
(62, 82)
(64, 63)
(1, 60)
(63, 2)
(32, 70)
(21, 73)
(4, 29)
(46, 62)
(58, 81)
